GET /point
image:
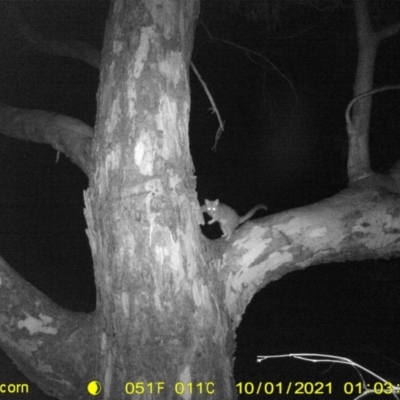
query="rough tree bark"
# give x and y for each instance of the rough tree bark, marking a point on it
(160, 305)
(168, 300)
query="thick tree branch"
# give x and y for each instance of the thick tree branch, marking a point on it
(65, 134)
(32, 328)
(353, 225)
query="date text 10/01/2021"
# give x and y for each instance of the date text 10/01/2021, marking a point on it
(318, 388)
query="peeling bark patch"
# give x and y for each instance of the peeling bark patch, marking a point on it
(144, 154)
(141, 55)
(170, 67)
(35, 325)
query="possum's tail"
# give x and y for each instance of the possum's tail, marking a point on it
(252, 212)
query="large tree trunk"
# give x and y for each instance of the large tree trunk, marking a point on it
(160, 316)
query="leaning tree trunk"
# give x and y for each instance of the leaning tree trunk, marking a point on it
(164, 329)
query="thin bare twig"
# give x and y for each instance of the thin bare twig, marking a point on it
(214, 107)
(327, 358)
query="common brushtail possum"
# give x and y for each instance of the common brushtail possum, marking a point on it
(227, 217)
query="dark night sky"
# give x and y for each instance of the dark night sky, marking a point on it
(281, 147)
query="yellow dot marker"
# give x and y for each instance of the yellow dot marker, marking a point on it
(94, 388)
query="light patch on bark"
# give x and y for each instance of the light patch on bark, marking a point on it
(189, 247)
(108, 91)
(170, 67)
(157, 302)
(159, 252)
(184, 121)
(147, 33)
(257, 247)
(186, 378)
(125, 304)
(297, 225)
(103, 342)
(278, 258)
(114, 116)
(244, 282)
(89, 221)
(174, 182)
(117, 47)
(201, 295)
(112, 161)
(113, 158)
(35, 325)
(249, 276)
(166, 123)
(318, 232)
(219, 330)
(176, 260)
(144, 157)
(154, 188)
